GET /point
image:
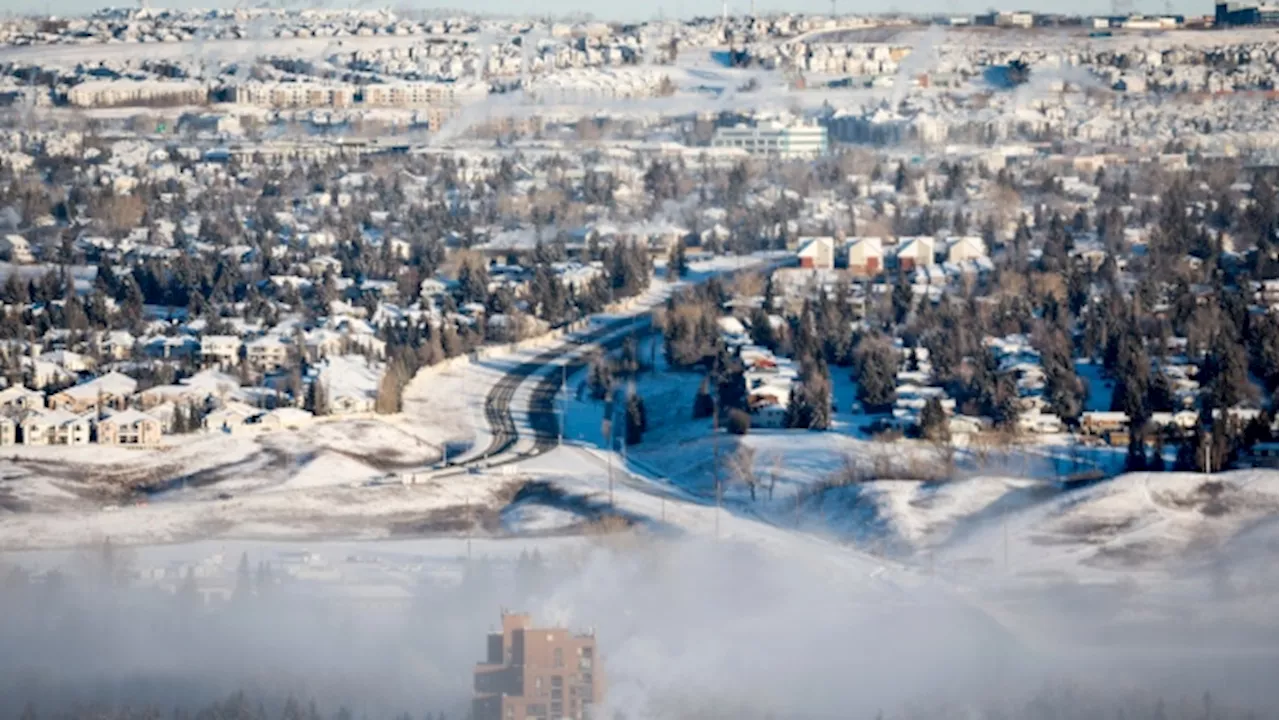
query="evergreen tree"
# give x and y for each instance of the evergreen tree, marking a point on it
(704, 405)
(317, 402)
(875, 371)
(678, 261)
(933, 421)
(637, 422)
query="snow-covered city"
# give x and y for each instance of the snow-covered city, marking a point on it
(813, 365)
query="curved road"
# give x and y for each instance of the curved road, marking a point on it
(542, 412)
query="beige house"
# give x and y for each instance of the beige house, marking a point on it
(221, 350)
(1100, 421)
(116, 345)
(914, 252)
(176, 394)
(112, 390)
(817, 253)
(866, 256)
(17, 398)
(129, 427)
(969, 247)
(55, 427)
(230, 417)
(268, 353)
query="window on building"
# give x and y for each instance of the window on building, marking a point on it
(558, 657)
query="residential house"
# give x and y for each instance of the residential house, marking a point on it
(230, 417)
(817, 253)
(1040, 423)
(16, 399)
(968, 247)
(179, 395)
(41, 373)
(284, 418)
(116, 345)
(129, 427)
(220, 350)
(914, 252)
(166, 346)
(208, 384)
(1099, 422)
(321, 343)
(866, 256)
(267, 353)
(70, 361)
(112, 390)
(350, 383)
(16, 249)
(55, 427)
(768, 405)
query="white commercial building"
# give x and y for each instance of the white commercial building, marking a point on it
(774, 139)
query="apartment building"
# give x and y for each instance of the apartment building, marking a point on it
(543, 673)
(108, 93)
(295, 95)
(419, 94)
(129, 427)
(55, 427)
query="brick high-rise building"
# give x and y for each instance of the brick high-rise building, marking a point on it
(543, 673)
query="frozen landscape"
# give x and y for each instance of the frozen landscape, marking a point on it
(813, 366)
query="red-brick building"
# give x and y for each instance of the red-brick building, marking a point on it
(543, 673)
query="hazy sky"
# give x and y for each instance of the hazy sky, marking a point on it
(646, 9)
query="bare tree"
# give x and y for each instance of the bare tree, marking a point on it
(775, 471)
(742, 468)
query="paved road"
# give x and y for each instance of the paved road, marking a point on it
(543, 417)
(542, 413)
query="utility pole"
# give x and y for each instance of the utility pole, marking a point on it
(715, 449)
(564, 401)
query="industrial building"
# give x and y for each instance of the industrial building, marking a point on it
(1229, 14)
(543, 673)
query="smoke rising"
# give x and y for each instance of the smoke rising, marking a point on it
(688, 628)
